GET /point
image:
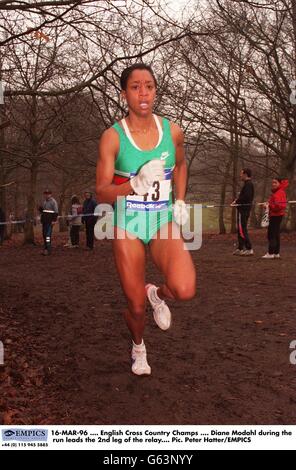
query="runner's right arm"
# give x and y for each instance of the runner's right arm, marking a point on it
(106, 191)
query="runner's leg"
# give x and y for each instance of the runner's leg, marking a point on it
(175, 262)
(129, 257)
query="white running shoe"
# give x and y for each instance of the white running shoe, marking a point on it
(161, 312)
(277, 256)
(248, 252)
(140, 365)
(237, 252)
(268, 256)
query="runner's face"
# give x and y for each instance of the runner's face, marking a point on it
(140, 92)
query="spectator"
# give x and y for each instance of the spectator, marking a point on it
(88, 219)
(244, 204)
(276, 204)
(75, 222)
(49, 214)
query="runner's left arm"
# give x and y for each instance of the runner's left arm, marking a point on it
(180, 171)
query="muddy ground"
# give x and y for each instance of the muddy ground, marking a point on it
(224, 361)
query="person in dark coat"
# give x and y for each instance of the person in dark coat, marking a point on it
(244, 205)
(49, 214)
(88, 219)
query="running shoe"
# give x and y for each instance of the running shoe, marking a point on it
(161, 312)
(140, 365)
(248, 252)
(268, 256)
(237, 252)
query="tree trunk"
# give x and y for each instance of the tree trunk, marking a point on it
(17, 228)
(31, 204)
(264, 188)
(2, 172)
(3, 192)
(222, 228)
(234, 139)
(62, 222)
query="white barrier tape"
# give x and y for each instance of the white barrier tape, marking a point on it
(209, 206)
(203, 206)
(37, 219)
(13, 222)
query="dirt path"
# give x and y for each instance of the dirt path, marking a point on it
(224, 361)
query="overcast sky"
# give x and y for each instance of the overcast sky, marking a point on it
(178, 5)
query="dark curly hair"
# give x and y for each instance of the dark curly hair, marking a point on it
(126, 73)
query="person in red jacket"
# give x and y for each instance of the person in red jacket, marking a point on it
(277, 206)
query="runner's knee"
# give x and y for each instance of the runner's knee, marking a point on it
(184, 291)
(137, 308)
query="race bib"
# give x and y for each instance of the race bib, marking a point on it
(157, 198)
